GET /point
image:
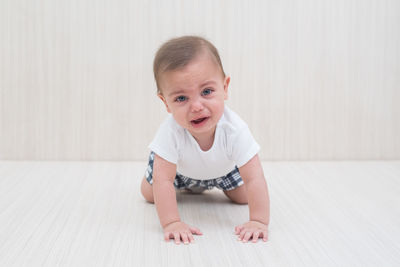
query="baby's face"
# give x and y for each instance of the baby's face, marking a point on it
(195, 95)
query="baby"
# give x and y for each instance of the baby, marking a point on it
(203, 144)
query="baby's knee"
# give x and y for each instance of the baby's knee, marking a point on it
(237, 195)
(240, 201)
(147, 191)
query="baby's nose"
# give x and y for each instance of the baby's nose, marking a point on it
(197, 106)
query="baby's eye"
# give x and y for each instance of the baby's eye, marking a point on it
(180, 98)
(206, 91)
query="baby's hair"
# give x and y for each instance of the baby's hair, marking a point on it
(178, 52)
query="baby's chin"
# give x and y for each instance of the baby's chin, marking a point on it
(209, 129)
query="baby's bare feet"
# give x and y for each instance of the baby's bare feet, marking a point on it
(195, 190)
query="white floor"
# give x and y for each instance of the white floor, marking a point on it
(92, 214)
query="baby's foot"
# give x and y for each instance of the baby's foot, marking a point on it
(195, 190)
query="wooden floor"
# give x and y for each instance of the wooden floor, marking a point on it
(92, 214)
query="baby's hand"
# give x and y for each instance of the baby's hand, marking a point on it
(180, 230)
(252, 229)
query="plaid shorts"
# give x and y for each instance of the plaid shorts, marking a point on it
(228, 182)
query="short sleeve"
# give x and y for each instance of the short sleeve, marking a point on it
(244, 146)
(165, 143)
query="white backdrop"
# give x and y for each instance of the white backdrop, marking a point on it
(314, 79)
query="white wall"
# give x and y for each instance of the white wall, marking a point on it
(314, 79)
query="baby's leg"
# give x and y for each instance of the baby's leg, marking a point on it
(147, 190)
(237, 195)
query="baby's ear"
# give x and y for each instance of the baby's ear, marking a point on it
(165, 102)
(226, 85)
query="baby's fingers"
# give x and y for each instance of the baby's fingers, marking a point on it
(195, 231)
(167, 236)
(265, 235)
(177, 238)
(238, 229)
(247, 236)
(256, 234)
(185, 238)
(242, 233)
(190, 236)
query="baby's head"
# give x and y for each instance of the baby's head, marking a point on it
(177, 53)
(191, 82)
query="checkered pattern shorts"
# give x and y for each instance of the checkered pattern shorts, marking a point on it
(228, 182)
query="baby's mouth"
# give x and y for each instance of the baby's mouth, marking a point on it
(199, 121)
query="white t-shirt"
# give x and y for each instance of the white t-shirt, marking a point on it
(233, 146)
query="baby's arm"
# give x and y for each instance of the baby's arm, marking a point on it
(258, 200)
(164, 194)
